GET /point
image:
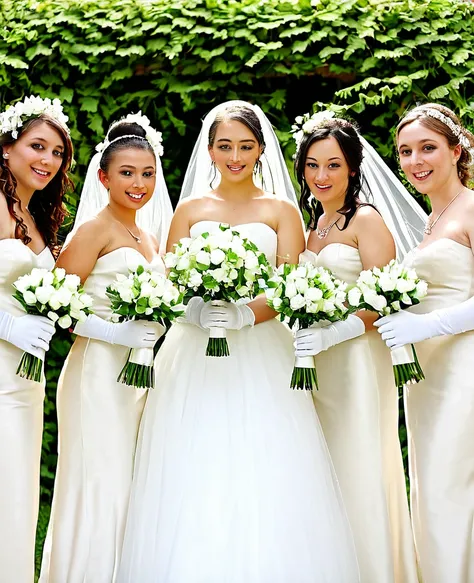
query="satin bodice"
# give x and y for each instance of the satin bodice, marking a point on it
(261, 234)
(16, 260)
(120, 260)
(448, 268)
(343, 260)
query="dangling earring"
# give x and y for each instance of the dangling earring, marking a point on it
(258, 169)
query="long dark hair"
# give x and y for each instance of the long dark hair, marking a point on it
(46, 205)
(464, 164)
(345, 133)
(136, 138)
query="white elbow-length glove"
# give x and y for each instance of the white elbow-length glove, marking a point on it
(407, 328)
(30, 333)
(132, 333)
(312, 341)
(226, 315)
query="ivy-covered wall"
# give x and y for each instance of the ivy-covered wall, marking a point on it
(175, 59)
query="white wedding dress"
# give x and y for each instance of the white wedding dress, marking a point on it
(233, 482)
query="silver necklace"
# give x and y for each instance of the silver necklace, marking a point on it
(324, 232)
(430, 224)
(138, 238)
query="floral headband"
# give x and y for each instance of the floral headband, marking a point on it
(152, 136)
(452, 125)
(15, 115)
(306, 124)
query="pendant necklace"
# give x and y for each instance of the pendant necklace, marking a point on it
(430, 224)
(324, 232)
(138, 238)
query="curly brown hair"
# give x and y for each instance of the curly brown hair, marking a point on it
(418, 113)
(46, 205)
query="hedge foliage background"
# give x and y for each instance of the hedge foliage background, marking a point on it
(175, 59)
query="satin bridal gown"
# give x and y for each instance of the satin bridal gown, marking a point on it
(21, 428)
(440, 423)
(98, 421)
(357, 404)
(233, 482)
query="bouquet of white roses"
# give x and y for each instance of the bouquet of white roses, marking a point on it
(56, 295)
(143, 295)
(222, 266)
(385, 291)
(304, 295)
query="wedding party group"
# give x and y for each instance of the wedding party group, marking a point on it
(207, 458)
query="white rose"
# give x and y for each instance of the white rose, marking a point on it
(195, 278)
(36, 276)
(44, 293)
(277, 303)
(72, 281)
(170, 260)
(218, 274)
(353, 297)
(251, 260)
(146, 290)
(23, 283)
(406, 299)
(396, 306)
(197, 244)
(301, 284)
(87, 300)
(405, 285)
(155, 302)
(59, 273)
(203, 257)
(243, 291)
(183, 263)
(421, 290)
(53, 316)
(297, 302)
(48, 278)
(270, 292)
(125, 295)
(377, 302)
(64, 295)
(313, 294)
(290, 290)
(387, 283)
(144, 277)
(367, 278)
(328, 306)
(217, 256)
(30, 298)
(65, 321)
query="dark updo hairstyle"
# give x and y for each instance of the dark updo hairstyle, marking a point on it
(46, 205)
(135, 137)
(345, 133)
(418, 113)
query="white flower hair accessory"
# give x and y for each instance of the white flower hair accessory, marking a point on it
(307, 124)
(152, 136)
(453, 126)
(15, 115)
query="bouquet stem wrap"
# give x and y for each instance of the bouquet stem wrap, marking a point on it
(31, 367)
(304, 374)
(406, 368)
(139, 371)
(217, 344)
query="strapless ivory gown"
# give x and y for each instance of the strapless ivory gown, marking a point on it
(98, 421)
(233, 482)
(440, 423)
(357, 404)
(21, 428)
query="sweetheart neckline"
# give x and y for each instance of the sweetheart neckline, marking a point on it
(234, 226)
(133, 249)
(25, 246)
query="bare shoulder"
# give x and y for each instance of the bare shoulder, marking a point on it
(95, 232)
(284, 209)
(368, 215)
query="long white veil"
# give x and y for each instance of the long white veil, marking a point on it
(275, 177)
(403, 216)
(155, 217)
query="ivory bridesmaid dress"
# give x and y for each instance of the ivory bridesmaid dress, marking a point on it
(440, 423)
(357, 404)
(21, 427)
(98, 421)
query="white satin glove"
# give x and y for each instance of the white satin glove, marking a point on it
(312, 341)
(132, 333)
(29, 333)
(407, 328)
(193, 312)
(226, 315)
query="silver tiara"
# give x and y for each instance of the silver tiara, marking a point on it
(454, 127)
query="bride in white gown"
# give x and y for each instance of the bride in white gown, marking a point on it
(233, 482)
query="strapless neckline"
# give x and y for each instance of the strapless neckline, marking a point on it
(442, 239)
(9, 239)
(235, 226)
(333, 245)
(132, 249)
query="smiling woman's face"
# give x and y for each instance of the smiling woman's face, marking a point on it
(35, 157)
(235, 151)
(326, 170)
(426, 158)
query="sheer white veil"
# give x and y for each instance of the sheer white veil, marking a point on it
(403, 216)
(155, 217)
(274, 179)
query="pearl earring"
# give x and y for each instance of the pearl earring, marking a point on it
(6, 155)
